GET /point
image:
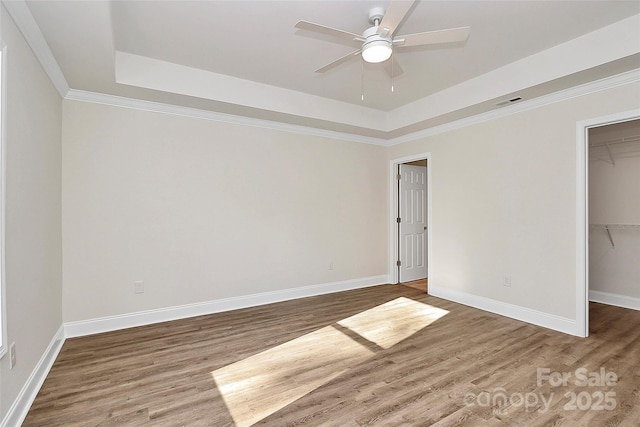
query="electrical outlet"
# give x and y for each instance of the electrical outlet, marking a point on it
(138, 287)
(12, 355)
(506, 281)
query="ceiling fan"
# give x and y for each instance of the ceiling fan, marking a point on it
(377, 43)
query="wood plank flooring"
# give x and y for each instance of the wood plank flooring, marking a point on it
(388, 355)
(420, 285)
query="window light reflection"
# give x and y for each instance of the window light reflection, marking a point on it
(262, 384)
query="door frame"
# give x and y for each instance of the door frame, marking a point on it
(393, 214)
(582, 211)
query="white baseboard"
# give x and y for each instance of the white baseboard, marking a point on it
(113, 323)
(561, 324)
(20, 407)
(615, 299)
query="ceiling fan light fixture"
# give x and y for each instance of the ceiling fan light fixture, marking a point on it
(376, 51)
(380, 41)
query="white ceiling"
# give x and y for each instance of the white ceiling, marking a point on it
(246, 58)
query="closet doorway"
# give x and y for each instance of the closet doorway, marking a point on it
(585, 129)
(614, 214)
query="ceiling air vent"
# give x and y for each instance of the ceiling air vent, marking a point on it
(508, 101)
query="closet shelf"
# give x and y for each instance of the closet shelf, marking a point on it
(617, 226)
(609, 227)
(607, 144)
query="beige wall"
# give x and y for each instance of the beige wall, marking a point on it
(614, 198)
(504, 202)
(33, 212)
(201, 210)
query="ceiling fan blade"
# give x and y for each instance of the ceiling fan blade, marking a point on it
(339, 61)
(394, 15)
(433, 37)
(323, 29)
(393, 68)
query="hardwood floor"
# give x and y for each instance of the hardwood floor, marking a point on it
(420, 285)
(387, 355)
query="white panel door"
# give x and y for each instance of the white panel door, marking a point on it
(413, 223)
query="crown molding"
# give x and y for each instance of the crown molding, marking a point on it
(563, 95)
(622, 79)
(21, 15)
(149, 73)
(158, 107)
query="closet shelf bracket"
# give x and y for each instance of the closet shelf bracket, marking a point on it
(613, 245)
(613, 162)
(609, 227)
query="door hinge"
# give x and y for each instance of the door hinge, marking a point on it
(398, 177)
(398, 220)
(398, 263)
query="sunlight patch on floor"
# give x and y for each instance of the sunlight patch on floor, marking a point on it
(389, 323)
(262, 384)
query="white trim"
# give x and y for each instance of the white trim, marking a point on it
(137, 104)
(622, 79)
(20, 407)
(130, 320)
(582, 211)
(582, 230)
(615, 299)
(550, 321)
(4, 336)
(25, 21)
(178, 79)
(393, 213)
(158, 107)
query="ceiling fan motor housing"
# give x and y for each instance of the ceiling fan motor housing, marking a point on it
(375, 42)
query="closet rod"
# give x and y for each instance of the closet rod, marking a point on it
(607, 144)
(624, 140)
(617, 226)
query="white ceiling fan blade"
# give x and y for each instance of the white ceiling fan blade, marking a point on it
(323, 29)
(394, 15)
(433, 37)
(339, 61)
